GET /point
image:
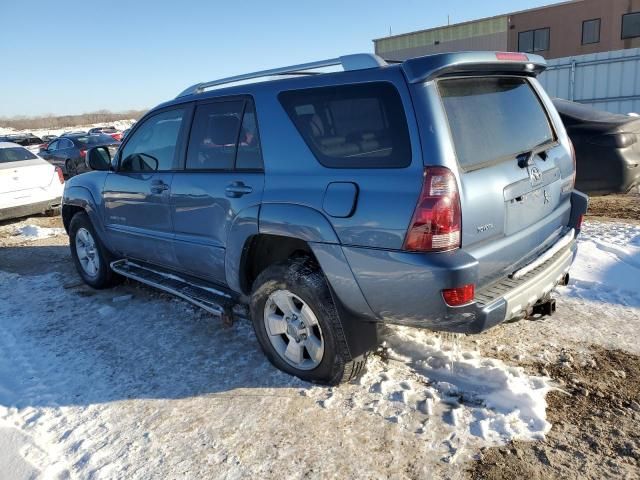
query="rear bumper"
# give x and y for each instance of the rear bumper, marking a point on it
(406, 288)
(29, 209)
(509, 299)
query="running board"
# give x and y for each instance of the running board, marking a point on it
(208, 298)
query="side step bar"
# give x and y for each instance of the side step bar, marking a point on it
(208, 298)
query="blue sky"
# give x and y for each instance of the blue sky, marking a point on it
(70, 56)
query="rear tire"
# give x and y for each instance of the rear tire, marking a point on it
(70, 167)
(91, 258)
(315, 335)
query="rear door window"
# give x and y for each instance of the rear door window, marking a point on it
(224, 136)
(352, 126)
(493, 118)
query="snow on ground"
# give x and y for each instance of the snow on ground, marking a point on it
(131, 383)
(35, 232)
(38, 132)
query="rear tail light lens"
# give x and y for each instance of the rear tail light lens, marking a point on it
(436, 222)
(60, 174)
(579, 224)
(456, 297)
(83, 152)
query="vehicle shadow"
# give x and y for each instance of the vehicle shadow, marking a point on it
(65, 344)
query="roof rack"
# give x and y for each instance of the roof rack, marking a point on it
(358, 61)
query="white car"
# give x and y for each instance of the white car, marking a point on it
(28, 184)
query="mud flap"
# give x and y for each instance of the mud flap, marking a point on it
(362, 335)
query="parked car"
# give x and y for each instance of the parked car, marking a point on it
(607, 148)
(27, 140)
(437, 193)
(112, 131)
(68, 151)
(28, 184)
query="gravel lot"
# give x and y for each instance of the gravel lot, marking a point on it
(133, 383)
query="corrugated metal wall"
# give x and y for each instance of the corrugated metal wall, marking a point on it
(607, 81)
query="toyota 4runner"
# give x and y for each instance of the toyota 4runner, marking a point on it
(332, 196)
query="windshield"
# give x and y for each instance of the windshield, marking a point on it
(493, 118)
(94, 139)
(15, 154)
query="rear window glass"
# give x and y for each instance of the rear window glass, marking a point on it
(352, 126)
(493, 119)
(94, 139)
(15, 154)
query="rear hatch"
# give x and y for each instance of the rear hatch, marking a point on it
(514, 164)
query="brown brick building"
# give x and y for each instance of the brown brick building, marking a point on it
(561, 30)
(576, 28)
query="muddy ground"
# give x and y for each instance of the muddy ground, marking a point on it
(626, 207)
(595, 414)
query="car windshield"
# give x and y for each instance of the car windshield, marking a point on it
(94, 139)
(15, 154)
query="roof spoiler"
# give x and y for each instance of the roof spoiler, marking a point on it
(423, 69)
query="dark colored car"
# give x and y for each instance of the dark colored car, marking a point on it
(68, 151)
(28, 140)
(607, 148)
(111, 131)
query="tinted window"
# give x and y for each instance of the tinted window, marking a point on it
(53, 145)
(64, 143)
(631, 25)
(591, 31)
(353, 125)
(15, 154)
(534, 40)
(249, 156)
(153, 145)
(214, 136)
(493, 118)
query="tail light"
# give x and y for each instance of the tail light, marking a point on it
(456, 297)
(83, 153)
(60, 174)
(117, 136)
(512, 56)
(437, 220)
(579, 223)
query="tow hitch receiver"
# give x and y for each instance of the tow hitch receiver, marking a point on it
(544, 308)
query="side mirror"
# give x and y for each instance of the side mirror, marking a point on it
(99, 158)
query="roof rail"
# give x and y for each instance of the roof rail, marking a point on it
(357, 61)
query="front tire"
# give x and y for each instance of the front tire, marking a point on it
(91, 258)
(297, 324)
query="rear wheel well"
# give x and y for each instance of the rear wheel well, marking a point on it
(68, 212)
(265, 250)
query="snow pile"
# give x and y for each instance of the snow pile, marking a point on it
(504, 402)
(607, 268)
(34, 232)
(455, 399)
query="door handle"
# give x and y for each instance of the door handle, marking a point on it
(237, 189)
(158, 186)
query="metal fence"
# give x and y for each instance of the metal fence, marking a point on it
(607, 81)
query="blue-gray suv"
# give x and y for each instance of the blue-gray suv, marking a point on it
(334, 196)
